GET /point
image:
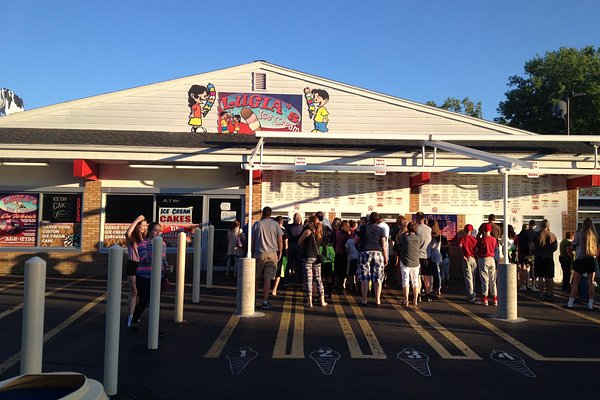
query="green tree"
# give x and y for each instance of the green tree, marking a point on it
(464, 106)
(530, 102)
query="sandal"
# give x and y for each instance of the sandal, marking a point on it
(308, 304)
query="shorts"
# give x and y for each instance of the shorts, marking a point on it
(371, 266)
(585, 265)
(266, 266)
(526, 259)
(544, 267)
(427, 267)
(131, 268)
(410, 275)
(327, 269)
(352, 267)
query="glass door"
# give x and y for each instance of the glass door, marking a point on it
(222, 211)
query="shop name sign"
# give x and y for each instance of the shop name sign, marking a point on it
(275, 112)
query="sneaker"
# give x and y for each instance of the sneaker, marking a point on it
(495, 301)
(534, 289)
(483, 301)
(266, 305)
(523, 288)
(130, 321)
(471, 299)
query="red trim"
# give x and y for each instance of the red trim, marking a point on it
(583, 181)
(419, 179)
(257, 176)
(85, 169)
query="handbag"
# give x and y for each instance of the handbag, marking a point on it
(319, 259)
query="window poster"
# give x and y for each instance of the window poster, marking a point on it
(61, 220)
(174, 220)
(18, 219)
(114, 233)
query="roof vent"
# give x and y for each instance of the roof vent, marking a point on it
(259, 81)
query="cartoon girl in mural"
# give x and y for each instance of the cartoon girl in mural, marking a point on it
(316, 100)
(196, 96)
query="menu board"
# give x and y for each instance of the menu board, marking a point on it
(61, 220)
(484, 194)
(18, 219)
(331, 192)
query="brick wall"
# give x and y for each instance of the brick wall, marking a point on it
(256, 201)
(569, 221)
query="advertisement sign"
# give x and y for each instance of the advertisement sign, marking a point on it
(115, 234)
(174, 220)
(18, 219)
(447, 222)
(61, 220)
(245, 113)
(60, 234)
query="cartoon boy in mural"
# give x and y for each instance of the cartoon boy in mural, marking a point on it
(316, 100)
(200, 101)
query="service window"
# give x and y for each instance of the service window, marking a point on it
(18, 219)
(61, 220)
(178, 214)
(119, 212)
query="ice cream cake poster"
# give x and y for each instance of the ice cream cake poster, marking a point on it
(246, 113)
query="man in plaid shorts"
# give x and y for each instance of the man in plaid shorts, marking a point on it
(372, 257)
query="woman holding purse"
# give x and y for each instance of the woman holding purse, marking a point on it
(309, 242)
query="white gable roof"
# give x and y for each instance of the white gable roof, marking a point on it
(163, 107)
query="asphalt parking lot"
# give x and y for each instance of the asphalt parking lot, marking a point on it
(446, 348)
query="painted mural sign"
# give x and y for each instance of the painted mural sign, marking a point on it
(200, 101)
(18, 219)
(245, 113)
(316, 99)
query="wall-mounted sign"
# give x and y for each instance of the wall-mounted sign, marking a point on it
(18, 219)
(246, 113)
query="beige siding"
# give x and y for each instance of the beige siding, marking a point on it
(163, 107)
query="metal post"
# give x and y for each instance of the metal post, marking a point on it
(181, 247)
(113, 316)
(210, 248)
(506, 218)
(197, 265)
(568, 114)
(249, 233)
(32, 337)
(507, 290)
(246, 289)
(155, 277)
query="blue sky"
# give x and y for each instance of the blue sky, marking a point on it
(55, 51)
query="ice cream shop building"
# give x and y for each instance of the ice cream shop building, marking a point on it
(192, 152)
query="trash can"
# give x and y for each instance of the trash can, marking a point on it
(52, 386)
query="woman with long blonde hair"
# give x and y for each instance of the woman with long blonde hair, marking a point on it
(586, 251)
(309, 242)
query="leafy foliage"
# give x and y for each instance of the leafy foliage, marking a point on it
(464, 106)
(529, 104)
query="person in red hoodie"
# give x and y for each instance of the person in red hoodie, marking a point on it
(486, 248)
(467, 244)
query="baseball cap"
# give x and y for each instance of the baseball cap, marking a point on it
(468, 227)
(487, 227)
